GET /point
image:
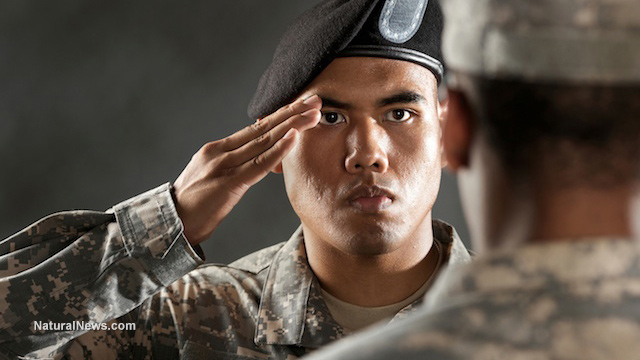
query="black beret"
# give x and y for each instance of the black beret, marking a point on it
(397, 29)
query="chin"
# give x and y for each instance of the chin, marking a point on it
(371, 241)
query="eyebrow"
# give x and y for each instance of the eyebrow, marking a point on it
(329, 102)
(405, 97)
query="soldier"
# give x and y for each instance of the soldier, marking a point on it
(359, 147)
(543, 131)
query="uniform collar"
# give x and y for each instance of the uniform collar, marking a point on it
(292, 310)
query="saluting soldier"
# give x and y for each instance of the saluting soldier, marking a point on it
(358, 139)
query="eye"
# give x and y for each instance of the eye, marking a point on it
(332, 118)
(398, 115)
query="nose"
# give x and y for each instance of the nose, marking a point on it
(366, 144)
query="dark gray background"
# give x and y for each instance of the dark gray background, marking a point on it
(101, 101)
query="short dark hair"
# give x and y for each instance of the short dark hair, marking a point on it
(582, 133)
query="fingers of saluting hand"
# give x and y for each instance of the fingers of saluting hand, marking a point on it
(219, 174)
(291, 115)
(260, 165)
(257, 146)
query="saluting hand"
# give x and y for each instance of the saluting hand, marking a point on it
(222, 171)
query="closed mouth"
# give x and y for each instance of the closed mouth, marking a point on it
(370, 199)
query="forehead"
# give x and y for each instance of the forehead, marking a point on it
(362, 77)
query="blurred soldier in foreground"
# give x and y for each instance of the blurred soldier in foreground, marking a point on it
(360, 150)
(544, 133)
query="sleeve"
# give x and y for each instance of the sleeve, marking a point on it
(76, 269)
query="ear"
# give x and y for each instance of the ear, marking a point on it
(443, 110)
(443, 113)
(457, 131)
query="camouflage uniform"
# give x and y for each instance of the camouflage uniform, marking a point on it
(95, 267)
(569, 300)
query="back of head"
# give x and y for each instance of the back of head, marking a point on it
(555, 85)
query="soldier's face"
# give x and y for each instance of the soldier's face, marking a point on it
(365, 179)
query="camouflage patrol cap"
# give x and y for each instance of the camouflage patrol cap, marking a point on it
(547, 40)
(408, 30)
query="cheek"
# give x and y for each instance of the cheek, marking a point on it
(418, 165)
(418, 152)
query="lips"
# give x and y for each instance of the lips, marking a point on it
(370, 199)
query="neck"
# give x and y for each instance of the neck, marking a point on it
(583, 212)
(373, 280)
(505, 212)
(565, 214)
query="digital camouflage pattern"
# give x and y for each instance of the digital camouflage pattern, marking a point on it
(133, 265)
(569, 300)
